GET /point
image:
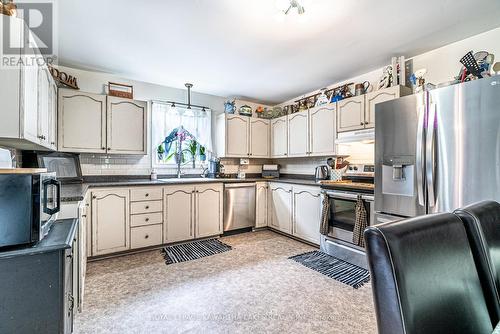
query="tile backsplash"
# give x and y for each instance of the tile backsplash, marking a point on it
(103, 164)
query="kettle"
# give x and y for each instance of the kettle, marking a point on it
(322, 173)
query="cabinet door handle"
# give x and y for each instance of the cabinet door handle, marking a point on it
(362, 123)
(103, 148)
(147, 219)
(147, 207)
(94, 197)
(109, 148)
(83, 216)
(146, 236)
(146, 195)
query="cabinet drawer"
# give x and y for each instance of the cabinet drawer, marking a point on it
(145, 207)
(145, 236)
(146, 194)
(146, 219)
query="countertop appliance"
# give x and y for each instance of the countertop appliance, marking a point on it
(270, 171)
(65, 165)
(29, 203)
(430, 148)
(239, 206)
(322, 173)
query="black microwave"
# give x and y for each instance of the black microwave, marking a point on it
(29, 203)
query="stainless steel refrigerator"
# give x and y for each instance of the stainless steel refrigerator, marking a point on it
(438, 150)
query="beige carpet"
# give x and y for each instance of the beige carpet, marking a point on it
(253, 288)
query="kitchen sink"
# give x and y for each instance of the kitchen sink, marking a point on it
(187, 180)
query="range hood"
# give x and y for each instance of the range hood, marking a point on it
(364, 136)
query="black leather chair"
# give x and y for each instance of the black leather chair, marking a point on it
(482, 223)
(424, 278)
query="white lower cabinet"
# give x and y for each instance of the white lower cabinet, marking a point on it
(295, 210)
(209, 209)
(193, 211)
(306, 213)
(179, 213)
(261, 204)
(281, 206)
(146, 236)
(110, 221)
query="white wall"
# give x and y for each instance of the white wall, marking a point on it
(442, 64)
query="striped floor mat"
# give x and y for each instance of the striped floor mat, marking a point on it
(193, 250)
(332, 267)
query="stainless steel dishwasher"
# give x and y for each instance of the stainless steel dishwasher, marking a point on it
(239, 206)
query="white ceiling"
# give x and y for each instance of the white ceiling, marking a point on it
(240, 48)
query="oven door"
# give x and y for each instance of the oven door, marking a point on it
(342, 215)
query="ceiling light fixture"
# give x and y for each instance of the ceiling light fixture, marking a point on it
(286, 6)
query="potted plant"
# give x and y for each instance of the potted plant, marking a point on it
(203, 156)
(192, 149)
(160, 151)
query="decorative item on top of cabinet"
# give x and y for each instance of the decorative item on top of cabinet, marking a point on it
(230, 107)
(279, 137)
(245, 111)
(306, 213)
(64, 79)
(120, 90)
(110, 221)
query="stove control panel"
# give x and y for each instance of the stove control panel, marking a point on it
(362, 170)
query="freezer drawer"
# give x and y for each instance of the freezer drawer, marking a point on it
(239, 206)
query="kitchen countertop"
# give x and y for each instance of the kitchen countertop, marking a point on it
(76, 192)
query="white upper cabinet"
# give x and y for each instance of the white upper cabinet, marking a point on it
(237, 136)
(358, 112)
(242, 137)
(25, 96)
(82, 122)
(259, 138)
(298, 134)
(95, 123)
(279, 135)
(379, 96)
(322, 130)
(351, 114)
(126, 126)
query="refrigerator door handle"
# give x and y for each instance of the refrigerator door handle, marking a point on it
(430, 154)
(420, 156)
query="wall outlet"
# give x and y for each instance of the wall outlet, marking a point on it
(244, 161)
